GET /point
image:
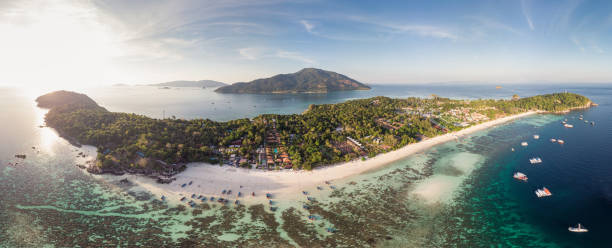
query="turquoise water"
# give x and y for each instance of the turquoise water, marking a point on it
(457, 194)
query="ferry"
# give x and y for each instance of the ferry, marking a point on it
(553, 140)
(535, 160)
(520, 176)
(579, 228)
(561, 141)
(535, 136)
(543, 192)
(524, 143)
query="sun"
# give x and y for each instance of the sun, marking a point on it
(55, 44)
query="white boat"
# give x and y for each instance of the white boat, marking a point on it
(579, 228)
(580, 118)
(520, 176)
(553, 140)
(524, 143)
(561, 141)
(568, 125)
(535, 160)
(544, 192)
(512, 149)
(535, 136)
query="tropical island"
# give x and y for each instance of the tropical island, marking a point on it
(308, 80)
(322, 135)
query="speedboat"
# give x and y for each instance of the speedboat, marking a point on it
(535, 160)
(520, 176)
(535, 136)
(543, 192)
(579, 228)
(524, 143)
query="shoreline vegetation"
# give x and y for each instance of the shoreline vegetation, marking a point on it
(330, 134)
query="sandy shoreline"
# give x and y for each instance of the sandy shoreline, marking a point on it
(209, 180)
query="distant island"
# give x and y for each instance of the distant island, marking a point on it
(183, 83)
(322, 135)
(308, 80)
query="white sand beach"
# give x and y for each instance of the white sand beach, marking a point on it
(210, 180)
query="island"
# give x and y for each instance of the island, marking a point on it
(184, 83)
(322, 135)
(308, 80)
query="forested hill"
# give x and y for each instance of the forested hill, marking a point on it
(325, 134)
(306, 80)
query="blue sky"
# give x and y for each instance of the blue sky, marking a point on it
(106, 42)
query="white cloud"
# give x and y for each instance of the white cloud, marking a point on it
(526, 11)
(308, 26)
(294, 56)
(256, 53)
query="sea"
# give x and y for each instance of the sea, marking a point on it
(457, 194)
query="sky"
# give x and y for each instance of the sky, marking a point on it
(68, 43)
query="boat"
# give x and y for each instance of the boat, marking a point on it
(268, 195)
(592, 123)
(252, 193)
(327, 182)
(520, 176)
(553, 140)
(543, 192)
(183, 186)
(561, 141)
(512, 149)
(220, 200)
(183, 199)
(193, 196)
(579, 228)
(204, 199)
(229, 192)
(212, 198)
(332, 187)
(163, 198)
(223, 192)
(190, 182)
(200, 197)
(319, 188)
(535, 160)
(270, 202)
(568, 125)
(310, 198)
(239, 194)
(535, 136)
(524, 143)
(306, 207)
(580, 118)
(305, 192)
(237, 202)
(273, 209)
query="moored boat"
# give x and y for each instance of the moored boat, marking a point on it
(535, 160)
(524, 143)
(579, 228)
(553, 140)
(568, 125)
(560, 141)
(520, 176)
(543, 192)
(535, 136)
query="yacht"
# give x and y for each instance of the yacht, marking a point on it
(543, 192)
(524, 143)
(535, 136)
(535, 160)
(568, 125)
(579, 228)
(560, 141)
(520, 176)
(553, 140)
